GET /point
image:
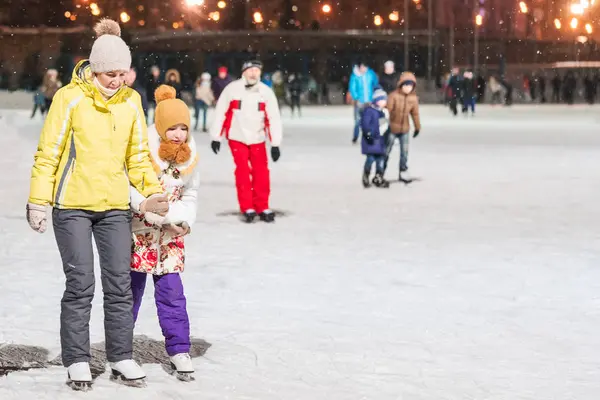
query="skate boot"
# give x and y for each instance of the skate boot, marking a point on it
(182, 367)
(405, 176)
(128, 373)
(249, 216)
(365, 179)
(380, 182)
(79, 377)
(267, 216)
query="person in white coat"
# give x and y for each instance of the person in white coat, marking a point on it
(247, 114)
(158, 244)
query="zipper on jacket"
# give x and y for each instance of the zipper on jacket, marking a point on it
(112, 121)
(403, 114)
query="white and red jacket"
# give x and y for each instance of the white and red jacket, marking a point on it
(247, 114)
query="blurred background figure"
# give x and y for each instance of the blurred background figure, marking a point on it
(50, 86)
(132, 81)
(204, 98)
(153, 83)
(295, 90)
(221, 80)
(39, 103)
(279, 87)
(173, 78)
(389, 78)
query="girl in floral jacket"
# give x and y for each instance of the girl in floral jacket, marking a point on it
(158, 245)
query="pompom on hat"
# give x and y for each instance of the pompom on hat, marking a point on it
(170, 110)
(109, 51)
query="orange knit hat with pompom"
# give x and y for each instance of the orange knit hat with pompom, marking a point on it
(170, 111)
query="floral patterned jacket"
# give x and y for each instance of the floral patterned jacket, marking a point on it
(155, 251)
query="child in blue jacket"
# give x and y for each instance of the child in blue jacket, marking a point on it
(375, 125)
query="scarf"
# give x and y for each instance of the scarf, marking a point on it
(174, 153)
(105, 92)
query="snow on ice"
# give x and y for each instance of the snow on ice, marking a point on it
(480, 281)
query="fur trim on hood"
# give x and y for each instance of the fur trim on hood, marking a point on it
(173, 71)
(408, 77)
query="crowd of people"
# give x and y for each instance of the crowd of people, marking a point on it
(466, 89)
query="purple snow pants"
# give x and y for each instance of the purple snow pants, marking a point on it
(170, 306)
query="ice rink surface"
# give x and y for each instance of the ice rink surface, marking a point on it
(481, 281)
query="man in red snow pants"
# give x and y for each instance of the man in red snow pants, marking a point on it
(247, 114)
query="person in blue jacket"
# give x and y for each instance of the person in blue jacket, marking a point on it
(363, 82)
(375, 124)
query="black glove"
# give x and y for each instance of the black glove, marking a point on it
(369, 138)
(275, 153)
(216, 146)
(416, 133)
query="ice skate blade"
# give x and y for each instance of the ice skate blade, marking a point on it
(79, 386)
(184, 376)
(180, 375)
(119, 378)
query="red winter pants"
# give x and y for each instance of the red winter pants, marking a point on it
(251, 175)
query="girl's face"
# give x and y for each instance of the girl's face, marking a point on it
(177, 133)
(113, 79)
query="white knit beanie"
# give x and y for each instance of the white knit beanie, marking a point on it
(109, 52)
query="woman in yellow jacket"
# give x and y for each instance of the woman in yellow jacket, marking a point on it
(92, 147)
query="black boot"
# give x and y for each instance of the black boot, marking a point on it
(267, 216)
(380, 182)
(249, 216)
(365, 179)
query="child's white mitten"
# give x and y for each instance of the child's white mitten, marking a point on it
(154, 219)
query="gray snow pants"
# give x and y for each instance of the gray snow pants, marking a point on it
(111, 229)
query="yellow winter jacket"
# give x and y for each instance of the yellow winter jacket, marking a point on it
(91, 149)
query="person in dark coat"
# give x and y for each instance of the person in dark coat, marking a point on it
(468, 92)
(589, 84)
(151, 85)
(221, 81)
(556, 84)
(542, 83)
(481, 86)
(295, 90)
(389, 78)
(454, 87)
(533, 87)
(569, 87)
(375, 128)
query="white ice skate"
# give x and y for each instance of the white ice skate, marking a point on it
(128, 372)
(79, 377)
(405, 177)
(182, 367)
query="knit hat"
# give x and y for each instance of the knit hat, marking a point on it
(379, 94)
(109, 52)
(250, 64)
(170, 111)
